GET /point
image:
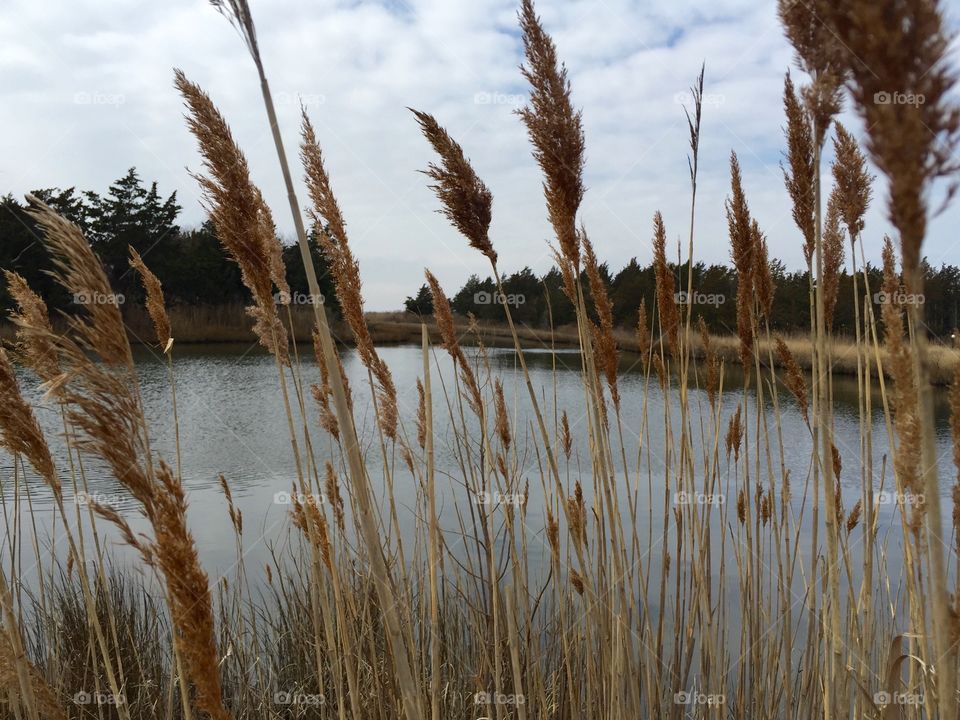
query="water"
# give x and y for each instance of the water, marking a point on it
(233, 422)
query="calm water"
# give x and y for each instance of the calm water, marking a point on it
(233, 422)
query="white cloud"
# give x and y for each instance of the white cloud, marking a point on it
(88, 93)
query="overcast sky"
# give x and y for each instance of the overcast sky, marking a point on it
(87, 92)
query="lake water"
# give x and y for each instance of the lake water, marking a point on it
(233, 422)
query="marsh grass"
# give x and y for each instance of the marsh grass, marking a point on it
(619, 598)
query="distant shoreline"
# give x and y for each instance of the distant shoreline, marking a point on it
(229, 324)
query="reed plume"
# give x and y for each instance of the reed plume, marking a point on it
(643, 330)
(104, 410)
(852, 181)
(81, 274)
(710, 362)
(764, 285)
(566, 439)
(905, 393)
(896, 54)
(45, 701)
(333, 496)
(466, 201)
(345, 271)
(19, 429)
(239, 214)
(322, 392)
(603, 337)
(799, 178)
(155, 304)
(794, 379)
(833, 243)
(502, 419)
(175, 554)
(421, 415)
(734, 436)
(444, 317)
(818, 53)
(743, 250)
(666, 287)
(34, 332)
(555, 130)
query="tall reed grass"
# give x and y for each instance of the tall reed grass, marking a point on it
(706, 576)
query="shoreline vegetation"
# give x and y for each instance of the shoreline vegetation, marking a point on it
(715, 569)
(230, 324)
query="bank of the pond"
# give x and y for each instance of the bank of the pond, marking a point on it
(230, 324)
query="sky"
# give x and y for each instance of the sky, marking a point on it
(88, 92)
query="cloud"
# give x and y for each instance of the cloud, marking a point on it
(88, 93)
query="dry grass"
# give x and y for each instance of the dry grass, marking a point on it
(645, 604)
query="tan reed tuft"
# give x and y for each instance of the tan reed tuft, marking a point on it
(764, 285)
(902, 47)
(905, 400)
(444, 317)
(852, 181)
(191, 608)
(710, 362)
(345, 271)
(421, 415)
(81, 273)
(819, 54)
(239, 214)
(155, 304)
(604, 340)
(34, 332)
(322, 393)
(45, 701)
(799, 178)
(643, 330)
(466, 201)
(555, 130)
(743, 250)
(833, 244)
(794, 380)
(19, 429)
(734, 437)
(566, 439)
(666, 287)
(502, 419)
(331, 488)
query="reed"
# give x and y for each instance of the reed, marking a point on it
(554, 559)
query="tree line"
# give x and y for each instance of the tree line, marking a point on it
(539, 301)
(195, 271)
(191, 263)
